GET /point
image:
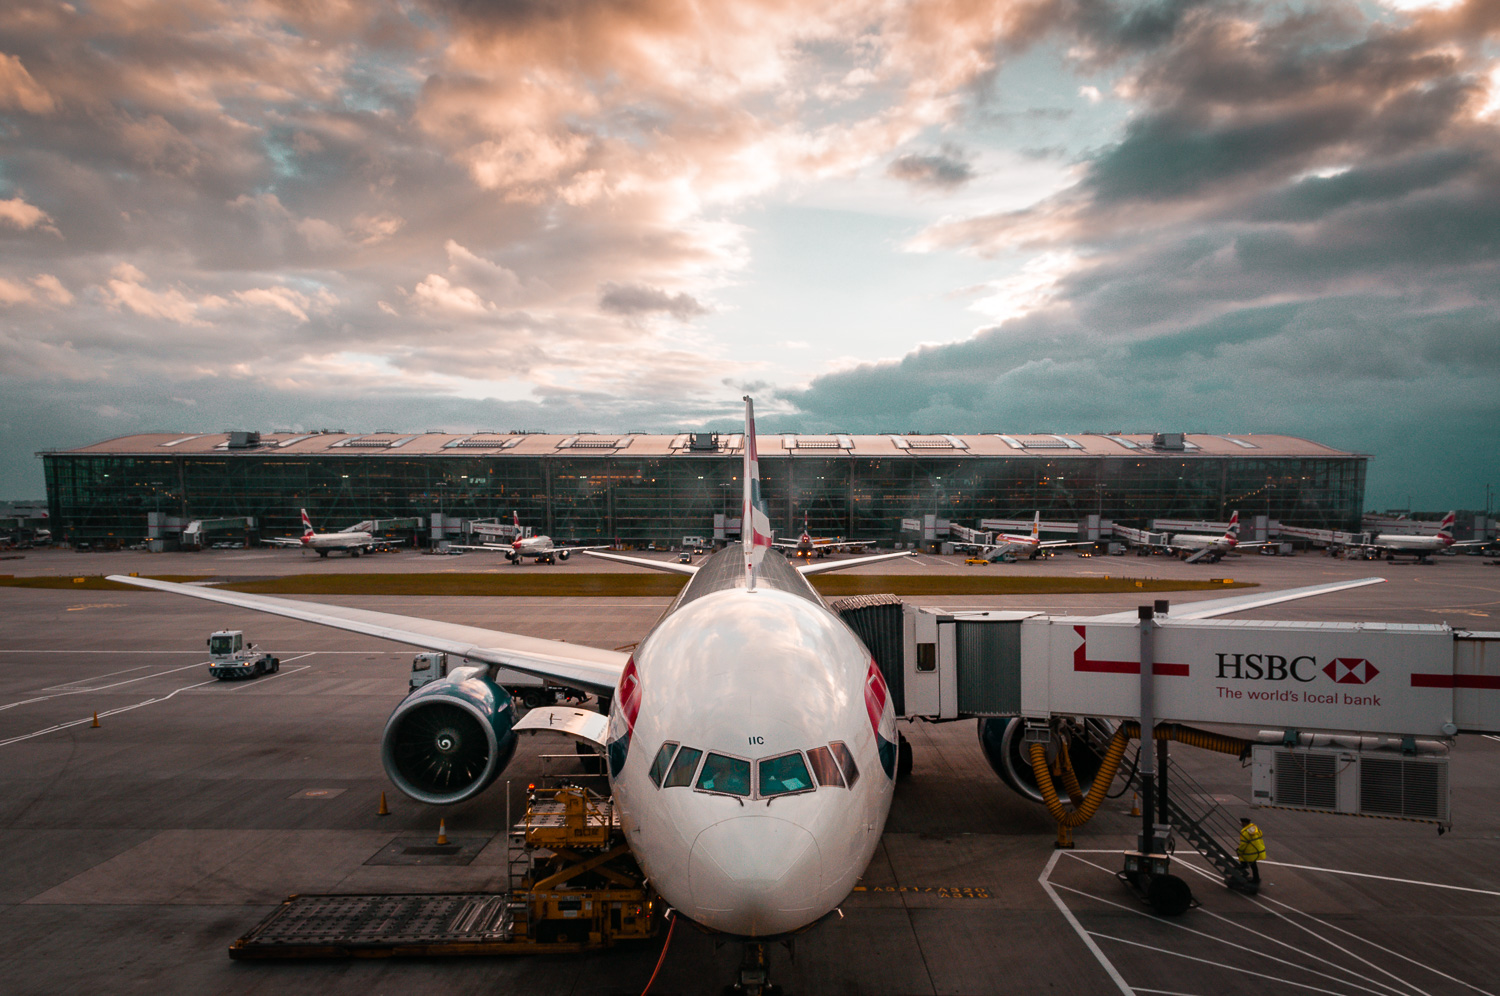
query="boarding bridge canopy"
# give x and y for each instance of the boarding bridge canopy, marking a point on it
(1364, 678)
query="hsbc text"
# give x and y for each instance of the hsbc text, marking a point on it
(1267, 667)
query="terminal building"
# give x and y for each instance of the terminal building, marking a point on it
(636, 488)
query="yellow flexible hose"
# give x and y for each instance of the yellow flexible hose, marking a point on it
(1084, 812)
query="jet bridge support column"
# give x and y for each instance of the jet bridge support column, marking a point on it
(1147, 868)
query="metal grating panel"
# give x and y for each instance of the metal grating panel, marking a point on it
(1393, 786)
(989, 668)
(1308, 781)
(929, 442)
(361, 921)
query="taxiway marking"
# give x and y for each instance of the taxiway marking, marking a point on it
(1253, 951)
(1083, 935)
(129, 708)
(1219, 964)
(1386, 878)
(99, 688)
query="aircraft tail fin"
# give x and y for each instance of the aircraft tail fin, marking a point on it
(1445, 529)
(307, 529)
(1232, 534)
(755, 524)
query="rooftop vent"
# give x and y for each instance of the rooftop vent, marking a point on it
(1168, 441)
(244, 440)
(703, 442)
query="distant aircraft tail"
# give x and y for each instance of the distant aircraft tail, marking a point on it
(1445, 529)
(755, 524)
(307, 529)
(1036, 527)
(515, 518)
(1232, 534)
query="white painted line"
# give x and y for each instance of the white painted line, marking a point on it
(99, 688)
(1214, 877)
(263, 679)
(1219, 964)
(1083, 935)
(1262, 900)
(107, 674)
(102, 715)
(1242, 947)
(1490, 737)
(1385, 878)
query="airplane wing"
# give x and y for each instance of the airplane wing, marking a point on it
(282, 541)
(669, 567)
(575, 549)
(1204, 552)
(1209, 608)
(1052, 544)
(568, 664)
(839, 565)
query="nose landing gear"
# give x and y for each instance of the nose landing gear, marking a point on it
(754, 977)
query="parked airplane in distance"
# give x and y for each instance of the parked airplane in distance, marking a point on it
(354, 541)
(750, 743)
(1211, 548)
(539, 548)
(1390, 545)
(1029, 546)
(806, 547)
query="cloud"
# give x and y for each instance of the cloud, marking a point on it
(944, 171)
(18, 91)
(634, 300)
(18, 214)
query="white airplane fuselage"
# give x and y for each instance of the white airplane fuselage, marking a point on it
(752, 675)
(336, 541)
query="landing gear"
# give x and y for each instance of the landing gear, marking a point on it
(754, 977)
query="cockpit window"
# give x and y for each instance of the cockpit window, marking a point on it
(681, 772)
(846, 761)
(663, 758)
(787, 773)
(823, 767)
(725, 774)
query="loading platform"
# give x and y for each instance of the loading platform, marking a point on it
(573, 887)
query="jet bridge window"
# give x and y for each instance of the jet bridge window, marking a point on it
(824, 768)
(659, 766)
(845, 758)
(681, 772)
(730, 775)
(783, 775)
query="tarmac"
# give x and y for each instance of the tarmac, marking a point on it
(137, 851)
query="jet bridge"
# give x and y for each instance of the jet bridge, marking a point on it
(1395, 679)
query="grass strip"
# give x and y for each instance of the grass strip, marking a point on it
(622, 585)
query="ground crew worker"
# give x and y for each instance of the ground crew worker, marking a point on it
(1252, 848)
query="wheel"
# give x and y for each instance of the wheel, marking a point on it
(275, 664)
(533, 698)
(323, 553)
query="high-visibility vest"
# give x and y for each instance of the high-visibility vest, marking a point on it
(1252, 843)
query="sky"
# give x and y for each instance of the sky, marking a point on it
(872, 215)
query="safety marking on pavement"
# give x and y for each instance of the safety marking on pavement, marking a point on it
(945, 891)
(1261, 955)
(1490, 737)
(130, 708)
(96, 688)
(1083, 935)
(1386, 878)
(252, 683)
(95, 605)
(1323, 935)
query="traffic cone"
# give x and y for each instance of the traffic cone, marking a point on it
(1135, 804)
(442, 832)
(96, 722)
(384, 810)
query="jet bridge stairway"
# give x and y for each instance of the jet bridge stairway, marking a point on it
(1192, 811)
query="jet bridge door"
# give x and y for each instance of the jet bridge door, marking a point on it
(987, 663)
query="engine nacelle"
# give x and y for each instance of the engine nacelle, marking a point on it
(564, 554)
(451, 738)
(1005, 747)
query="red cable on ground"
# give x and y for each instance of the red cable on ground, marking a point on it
(665, 944)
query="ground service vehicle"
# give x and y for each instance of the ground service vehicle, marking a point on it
(229, 658)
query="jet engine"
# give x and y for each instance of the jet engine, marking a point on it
(450, 739)
(563, 554)
(1005, 747)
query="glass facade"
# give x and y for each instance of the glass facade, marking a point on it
(96, 497)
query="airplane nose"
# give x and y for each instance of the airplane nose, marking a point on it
(760, 874)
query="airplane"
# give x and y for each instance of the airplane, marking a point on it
(355, 541)
(1400, 543)
(750, 741)
(538, 548)
(1029, 546)
(807, 547)
(1211, 548)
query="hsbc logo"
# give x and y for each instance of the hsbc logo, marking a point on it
(1274, 667)
(1350, 670)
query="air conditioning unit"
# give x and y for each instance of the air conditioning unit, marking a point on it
(1360, 783)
